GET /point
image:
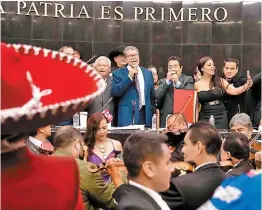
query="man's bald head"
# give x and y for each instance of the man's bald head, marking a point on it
(65, 136)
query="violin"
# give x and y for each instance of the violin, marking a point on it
(226, 165)
(254, 146)
(182, 165)
(93, 168)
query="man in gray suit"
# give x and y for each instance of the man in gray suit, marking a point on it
(103, 65)
(165, 91)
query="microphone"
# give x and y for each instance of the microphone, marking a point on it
(133, 111)
(110, 99)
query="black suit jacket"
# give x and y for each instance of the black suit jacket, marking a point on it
(130, 197)
(236, 103)
(165, 96)
(241, 168)
(190, 191)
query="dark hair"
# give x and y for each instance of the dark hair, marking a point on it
(91, 128)
(237, 145)
(33, 133)
(207, 134)
(175, 58)
(142, 146)
(215, 79)
(152, 66)
(195, 71)
(231, 60)
(65, 136)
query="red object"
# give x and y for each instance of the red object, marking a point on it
(43, 87)
(38, 182)
(107, 115)
(185, 100)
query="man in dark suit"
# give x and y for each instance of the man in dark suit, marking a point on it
(235, 148)
(103, 101)
(234, 103)
(165, 91)
(134, 87)
(188, 192)
(148, 170)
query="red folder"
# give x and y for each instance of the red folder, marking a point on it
(185, 100)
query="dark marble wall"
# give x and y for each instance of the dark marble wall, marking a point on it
(239, 36)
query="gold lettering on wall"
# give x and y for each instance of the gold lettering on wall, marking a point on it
(50, 9)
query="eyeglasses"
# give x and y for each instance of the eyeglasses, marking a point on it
(130, 56)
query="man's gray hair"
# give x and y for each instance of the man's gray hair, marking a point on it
(242, 119)
(103, 58)
(130, 48)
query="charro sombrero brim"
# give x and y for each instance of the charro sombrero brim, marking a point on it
(114, 54)
(41, 87)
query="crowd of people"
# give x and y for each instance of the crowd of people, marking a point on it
(133, 92)
(182, 167)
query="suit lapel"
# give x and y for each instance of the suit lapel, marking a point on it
(108, 83)
(145, 83)
(130, 189)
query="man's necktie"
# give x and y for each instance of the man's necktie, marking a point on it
(139, 90)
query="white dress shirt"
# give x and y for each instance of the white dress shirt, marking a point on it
(203, 165)
(35, 141)
(153, 194)
(141, 80)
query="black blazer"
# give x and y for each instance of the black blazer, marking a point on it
(130, 197)
(236, 103)
(241, 168)
(190, 191)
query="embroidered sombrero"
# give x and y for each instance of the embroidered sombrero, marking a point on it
(41, 87)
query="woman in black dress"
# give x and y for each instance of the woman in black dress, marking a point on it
(211, 89)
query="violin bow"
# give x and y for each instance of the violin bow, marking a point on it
(185, 105)
(93, 57)
(255, 138)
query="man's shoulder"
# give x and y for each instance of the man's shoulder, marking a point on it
(119, 70)
(187, 78)
(130, 197)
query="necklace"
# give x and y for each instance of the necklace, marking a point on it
(102, 149)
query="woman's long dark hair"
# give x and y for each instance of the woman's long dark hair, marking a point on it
(91, 128)
(215, 79)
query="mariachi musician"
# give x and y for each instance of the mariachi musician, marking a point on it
(176, 130)
(235, 148)
(241, 123)
(37, 141)
(32, 99)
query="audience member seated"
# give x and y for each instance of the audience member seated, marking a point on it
(37, 141)
(202, 145)
(236, 149)
(147, 160)
(100, 147)
(165, 92)
(68, 141)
